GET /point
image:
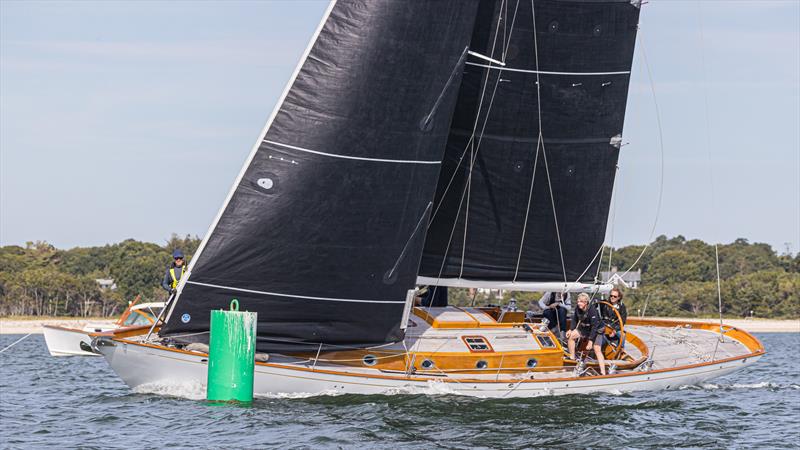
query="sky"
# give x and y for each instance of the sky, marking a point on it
(132, 119)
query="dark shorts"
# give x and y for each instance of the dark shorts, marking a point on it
(600, 339)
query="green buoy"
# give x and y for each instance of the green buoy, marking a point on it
(231, 356)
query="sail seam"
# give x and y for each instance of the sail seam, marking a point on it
(359, 158)
(547, 72)
(277, 294)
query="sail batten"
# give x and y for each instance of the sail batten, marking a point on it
(277, 294)
(359, 158)
(547, 72)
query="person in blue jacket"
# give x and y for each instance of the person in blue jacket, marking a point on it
(174, 272)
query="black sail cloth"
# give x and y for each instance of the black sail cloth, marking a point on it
(585, 52)
(323, 234)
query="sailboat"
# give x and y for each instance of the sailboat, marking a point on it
(467, 144)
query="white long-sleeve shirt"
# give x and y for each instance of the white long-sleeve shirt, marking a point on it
(567, 303)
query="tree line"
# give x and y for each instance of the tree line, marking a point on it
(41, 280)
(679, 278)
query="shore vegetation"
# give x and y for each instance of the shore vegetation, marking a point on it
(678, 279)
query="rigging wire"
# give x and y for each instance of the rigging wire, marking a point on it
(661, 150)
(539, 144)
(614, 197)
(474, 151)
(544, 150)
(477, 116)
(709, 158)
(15, 342)
(474, 154)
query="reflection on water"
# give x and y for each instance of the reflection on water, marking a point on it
(69, 402)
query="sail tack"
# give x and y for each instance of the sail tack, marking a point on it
(323, 233)
(531, 156)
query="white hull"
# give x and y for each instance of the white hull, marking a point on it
(67, 341)
(151, 368)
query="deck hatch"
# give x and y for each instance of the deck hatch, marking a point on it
(477, 344)
(546, 341)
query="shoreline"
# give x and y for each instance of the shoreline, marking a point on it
(34, 325)
(749, 325)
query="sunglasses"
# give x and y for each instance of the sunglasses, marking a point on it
(613, 296)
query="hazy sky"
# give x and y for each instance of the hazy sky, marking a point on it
(132, 119)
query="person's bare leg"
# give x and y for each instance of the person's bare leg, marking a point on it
(571, 344)
(598, 351)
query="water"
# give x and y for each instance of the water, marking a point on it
(79, 402)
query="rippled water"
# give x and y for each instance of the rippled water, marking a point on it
(79, 402)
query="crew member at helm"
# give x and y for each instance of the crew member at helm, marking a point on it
(174, 272)
(587, 324)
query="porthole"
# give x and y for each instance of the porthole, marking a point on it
(427, 364)
(532, 363)
(370, 360)
(553, 27)
(481, 364)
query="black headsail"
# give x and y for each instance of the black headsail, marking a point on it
(521, 202)
(323, 232)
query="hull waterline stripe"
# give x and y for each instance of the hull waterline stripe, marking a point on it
(359, 158)
(327, 299)
(544, 72)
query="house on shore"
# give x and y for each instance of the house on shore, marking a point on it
(629, 279)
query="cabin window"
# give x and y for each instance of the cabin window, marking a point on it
(136, 319)
(370, 360)
(427, 364)
(546, 341)
(477, 344)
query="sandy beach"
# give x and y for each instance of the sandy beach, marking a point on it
(750, 325)
(14, 326)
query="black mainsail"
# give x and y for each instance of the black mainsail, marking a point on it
(323, 231)
(529, 168)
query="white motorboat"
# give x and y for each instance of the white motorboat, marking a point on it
(65, 341)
